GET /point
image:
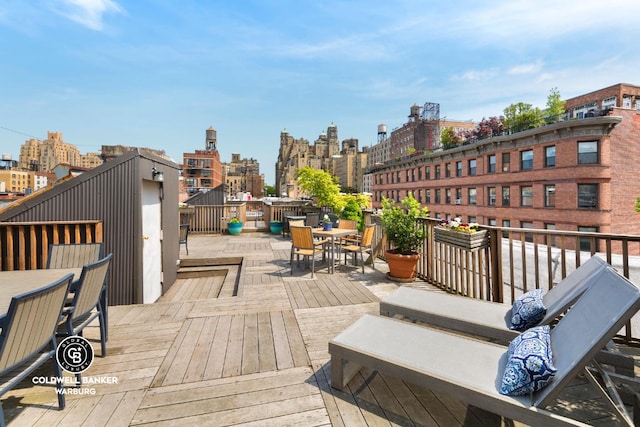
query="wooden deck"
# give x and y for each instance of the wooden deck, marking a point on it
(250, 349)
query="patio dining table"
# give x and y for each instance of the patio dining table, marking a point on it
(16, 282)
(331, 235)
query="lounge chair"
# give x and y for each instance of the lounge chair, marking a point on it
(471, 370)
(28, 337)
(485, 318)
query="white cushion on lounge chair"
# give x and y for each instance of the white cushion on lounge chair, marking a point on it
(485, 318)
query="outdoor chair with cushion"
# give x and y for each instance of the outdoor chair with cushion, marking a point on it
(365, 244)
(28, 338)
(85, 305)
(303, 243)
(472, 370)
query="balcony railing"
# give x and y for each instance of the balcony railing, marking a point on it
(518, 260)
(25, 246)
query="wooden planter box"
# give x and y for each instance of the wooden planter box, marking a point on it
(467, 241)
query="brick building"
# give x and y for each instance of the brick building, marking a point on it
(202, 169)
(575, 175)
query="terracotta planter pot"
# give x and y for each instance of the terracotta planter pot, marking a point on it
(402, 267)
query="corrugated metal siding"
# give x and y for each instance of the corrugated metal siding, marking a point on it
(110, 193)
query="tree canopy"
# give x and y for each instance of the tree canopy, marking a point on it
(325, 188)
(522, 116)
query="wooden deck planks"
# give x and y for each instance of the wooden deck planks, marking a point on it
(202, 356)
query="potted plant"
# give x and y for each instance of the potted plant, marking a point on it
(462, 235)
(406, 237)
(326, 223)
(235, 226)
(276, 226)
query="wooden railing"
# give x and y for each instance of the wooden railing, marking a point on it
(25, 246)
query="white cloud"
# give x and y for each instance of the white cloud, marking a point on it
(525, 68)
(88, 12)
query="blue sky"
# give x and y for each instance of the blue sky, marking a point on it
(159, 73)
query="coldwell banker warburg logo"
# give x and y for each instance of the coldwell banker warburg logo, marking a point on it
(74, 354)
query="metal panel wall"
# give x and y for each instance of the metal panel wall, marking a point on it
(111, 193)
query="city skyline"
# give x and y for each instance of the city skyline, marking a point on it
(107, 72)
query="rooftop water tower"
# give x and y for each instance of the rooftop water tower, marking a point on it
(382, 132)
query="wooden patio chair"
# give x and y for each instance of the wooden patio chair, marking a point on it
(184, 235)
(471, 370)
(365, 244)
(86, 303)
(303, 243)
(28, 338)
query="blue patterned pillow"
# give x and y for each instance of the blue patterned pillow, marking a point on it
(529, 365)
(528, 310)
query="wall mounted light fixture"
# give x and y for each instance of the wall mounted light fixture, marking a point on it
(157, 175)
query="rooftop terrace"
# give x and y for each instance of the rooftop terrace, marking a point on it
(250, 348)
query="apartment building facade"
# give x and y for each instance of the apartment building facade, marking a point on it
(43, 156)
(202, 169)
(574, 175)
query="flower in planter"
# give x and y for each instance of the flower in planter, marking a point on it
(457, 225)
(326, 218)
(234, 221)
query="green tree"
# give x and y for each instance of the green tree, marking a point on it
(449, 138)
(522, 116)
(270, 190)
(352, 210)
(321, 185)
(555, 106)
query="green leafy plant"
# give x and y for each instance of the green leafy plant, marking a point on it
(399, 224)
(234, 221)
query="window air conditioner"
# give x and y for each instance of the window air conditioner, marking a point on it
(458, 201)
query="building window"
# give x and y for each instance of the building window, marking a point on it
(526, 196)
(458, 168)
(550, 156)
(506, 162)
(551, 239)
(472, 167)
(458, 196)
(585, 242)
(419, 174)
(473, 219)
(588, 196)
(438, 195)
(447, 170)
(506, 196)
(491, 163)
(472, 196)
(550, 196)
(491, 193)
(492, 222)
(588, 152)
(506, 223)
(528, 237)
(427, 196)
(447, 196)
(526, 160)
(427, 172)
(437, 171)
